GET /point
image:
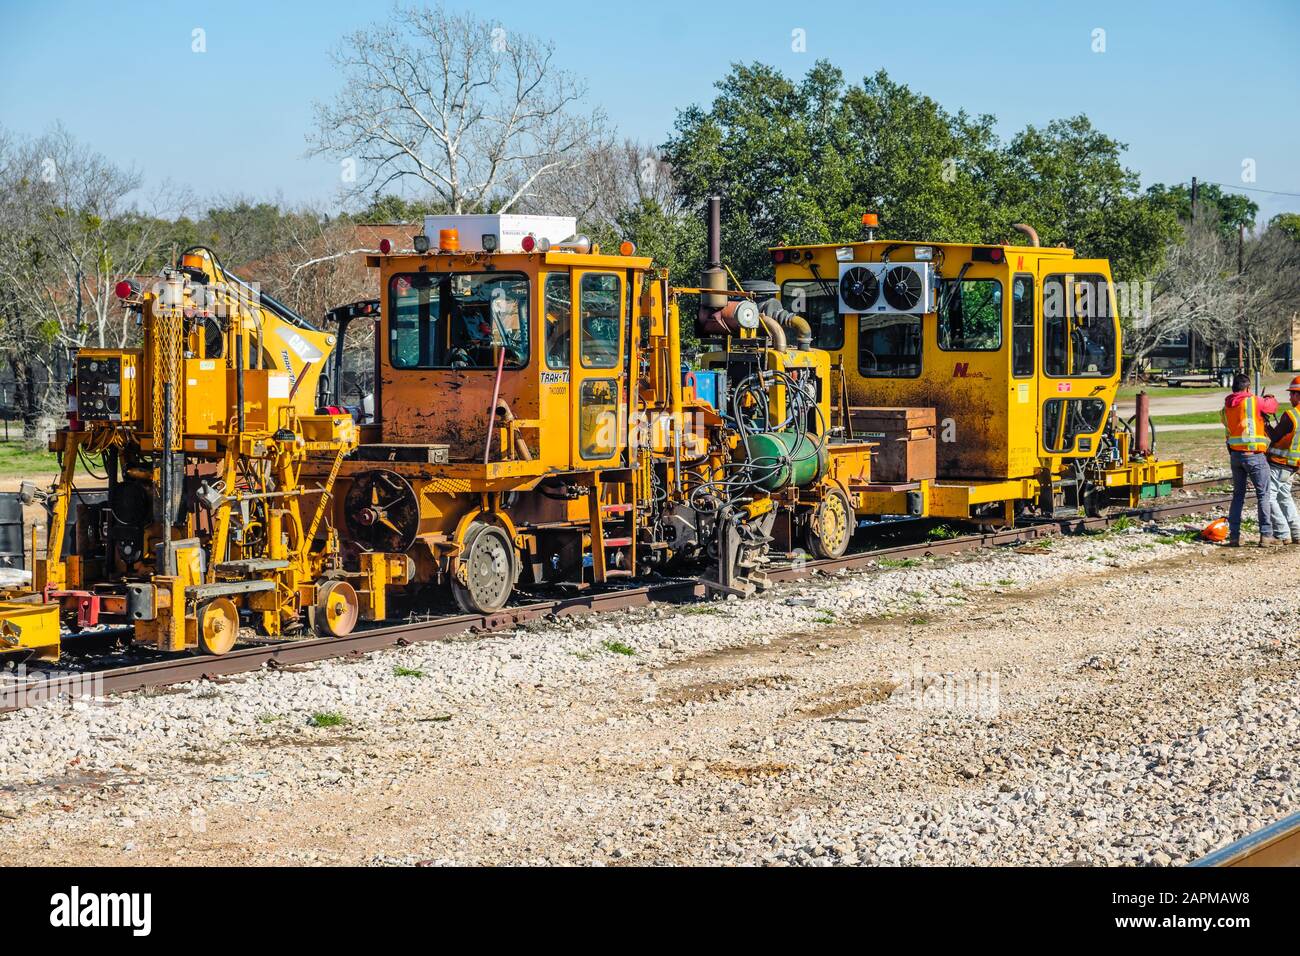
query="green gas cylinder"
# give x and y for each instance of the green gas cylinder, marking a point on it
(780, 459)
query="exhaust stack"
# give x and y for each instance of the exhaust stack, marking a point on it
(709, 322)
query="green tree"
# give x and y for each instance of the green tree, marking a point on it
(1068, 180)
(1288, 222)
(801, 161)
(1229, 211)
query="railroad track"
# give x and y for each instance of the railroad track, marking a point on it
(1277, 844)
(42, 686)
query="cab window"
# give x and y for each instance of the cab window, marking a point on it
(457, 319)
(601, 316)
(889, 345)
(1067, 420)
(1022, 326)
(819, 303)
(970, 315)
(557, 319)
(1078, 327)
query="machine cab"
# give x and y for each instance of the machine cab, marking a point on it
(1015, 347)
(505, 343)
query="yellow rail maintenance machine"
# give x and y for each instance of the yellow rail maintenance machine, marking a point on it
(985, 374)
(199, 512)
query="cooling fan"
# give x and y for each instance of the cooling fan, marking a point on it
(859, 289)
(903, 288)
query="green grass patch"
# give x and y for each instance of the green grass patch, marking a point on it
(1123, 523)
(702, 609)
(899, 562)
(400, 671)
(327, 718)
(618, 647)
(17, 460)
(825, 618)
(943, 532)
(269, 718)
(1180, 538)
(1005, 582)
(919, 621)
(1188, 418)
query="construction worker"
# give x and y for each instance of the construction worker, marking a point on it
(1243, 417)
(1283, 460)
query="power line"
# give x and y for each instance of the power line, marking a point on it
(1254, 189)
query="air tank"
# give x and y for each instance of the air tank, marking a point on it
(780, 459)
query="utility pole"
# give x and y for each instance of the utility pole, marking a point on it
(1191, 336)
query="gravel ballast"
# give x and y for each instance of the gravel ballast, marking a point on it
(1126, 698)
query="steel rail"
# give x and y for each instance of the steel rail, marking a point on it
(1277, 844)
(267, 653)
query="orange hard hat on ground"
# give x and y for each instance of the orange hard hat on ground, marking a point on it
(1216, 530)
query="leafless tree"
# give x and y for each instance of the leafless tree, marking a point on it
(1270, 295)
(75, 235)
(321, 264)
(611, 180)
(1195, 291)
(455, 104)
(67, 234)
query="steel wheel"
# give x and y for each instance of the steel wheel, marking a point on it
(337, 608)
(218, 625)
(486, 576)
(830, 525)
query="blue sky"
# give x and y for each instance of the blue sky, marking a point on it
(1194, 88)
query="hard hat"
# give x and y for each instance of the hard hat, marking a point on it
(1216, 530)
(1295, 385)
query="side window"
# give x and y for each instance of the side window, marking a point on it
(601, 305)
(970, 315)
(598, 418)
(1056, 332)
(819, 303)
(558, 318)
(1022, 326)
(889, 345)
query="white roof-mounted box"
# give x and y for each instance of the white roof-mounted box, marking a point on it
(509, 230)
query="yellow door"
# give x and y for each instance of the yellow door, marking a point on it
(1023, 426)
(556, 356)
(599, 387)
(1080, 356)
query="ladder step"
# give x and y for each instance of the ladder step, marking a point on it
(618, 573)
(617, 542)
(616, 509)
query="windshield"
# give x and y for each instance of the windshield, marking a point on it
(457, 319)
(1078, 326)
(818, 303)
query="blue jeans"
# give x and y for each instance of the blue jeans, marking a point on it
(1252, 466)
(1283, 512)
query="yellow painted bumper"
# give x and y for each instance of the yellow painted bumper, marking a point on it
(30, 630)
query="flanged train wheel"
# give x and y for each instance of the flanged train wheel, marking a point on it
(337, 608)
(218, 625)
(488, 569)
(830, 525)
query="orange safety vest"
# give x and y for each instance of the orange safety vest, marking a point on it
(1287, 450)
(1245, 426)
